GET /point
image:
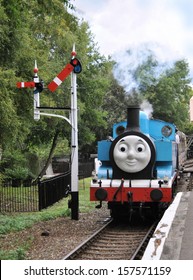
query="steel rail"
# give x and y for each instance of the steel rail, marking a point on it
(83, 244)
(145, 239)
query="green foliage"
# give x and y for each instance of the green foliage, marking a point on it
(171, 94)
(141, 78)
(45, 31)
(165, 85)
(62, 148)
(17, 172)
(188, 128)
(10, 123)
(14, 165)
(18, 254)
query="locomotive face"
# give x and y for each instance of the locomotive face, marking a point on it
(132, 154)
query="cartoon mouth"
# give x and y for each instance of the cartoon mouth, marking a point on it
(131, 162)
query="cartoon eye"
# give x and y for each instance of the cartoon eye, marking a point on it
(140, 148)
(123, 148)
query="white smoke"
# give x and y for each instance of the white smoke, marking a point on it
(147, 108)
(128, 61)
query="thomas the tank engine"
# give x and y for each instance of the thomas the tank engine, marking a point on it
(138, 166)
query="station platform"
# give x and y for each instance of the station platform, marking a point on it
(173, 237)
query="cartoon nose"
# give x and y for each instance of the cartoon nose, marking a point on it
(130, 154)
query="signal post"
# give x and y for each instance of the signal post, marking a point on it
(74, 149)
(73, 68)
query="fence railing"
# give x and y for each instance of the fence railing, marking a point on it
(54, 189)
(18, 198)
(25, 196)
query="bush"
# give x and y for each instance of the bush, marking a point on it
(17, 173)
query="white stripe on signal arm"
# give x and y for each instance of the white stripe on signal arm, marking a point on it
(57, 81)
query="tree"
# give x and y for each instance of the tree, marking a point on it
(165, 85)
(171, 94)
(115, 101)
(10, 123)
(45, 31)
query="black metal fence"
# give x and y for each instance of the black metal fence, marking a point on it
(54, 189)
(85, 166)
(25, 196)
(18, 197)
(85, 169)
(33, 197)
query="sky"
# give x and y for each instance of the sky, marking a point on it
(166, 26)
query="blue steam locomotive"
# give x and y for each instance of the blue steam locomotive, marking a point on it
(138, 167)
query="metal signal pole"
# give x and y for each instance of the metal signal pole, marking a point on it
(36, 94)
(74, 146)
(73, 67)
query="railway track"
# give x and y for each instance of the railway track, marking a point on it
(114, 242)
(188, 175)
(186, 181)
(190, 182)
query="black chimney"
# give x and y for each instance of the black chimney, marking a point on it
(133, 118)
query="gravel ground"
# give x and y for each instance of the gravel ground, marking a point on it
(52, 240)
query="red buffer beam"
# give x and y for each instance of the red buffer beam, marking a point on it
(25, 84)
(60, 77)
